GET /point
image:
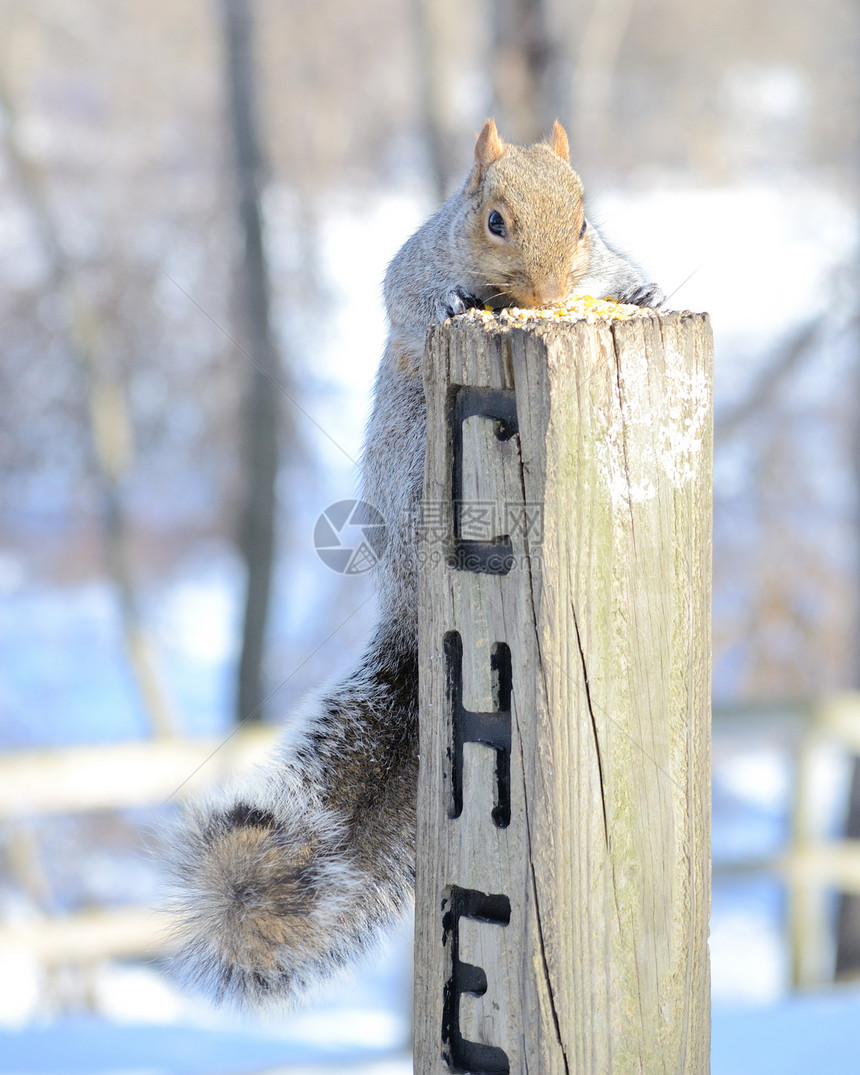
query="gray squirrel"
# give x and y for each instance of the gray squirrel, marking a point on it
(286, 878)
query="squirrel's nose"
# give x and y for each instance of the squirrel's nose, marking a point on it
(550, 290)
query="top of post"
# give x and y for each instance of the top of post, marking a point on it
(578, 318)
(583, 310)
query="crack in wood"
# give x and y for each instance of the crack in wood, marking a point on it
(544, 961)
(593, 724)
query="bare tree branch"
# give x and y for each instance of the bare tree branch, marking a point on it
(787, 360)
(110, 427)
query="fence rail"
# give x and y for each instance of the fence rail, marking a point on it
(814, 864)
(119, 775)
(81, 779)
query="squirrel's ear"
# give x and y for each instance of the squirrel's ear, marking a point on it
(488, 149)
(559, 144)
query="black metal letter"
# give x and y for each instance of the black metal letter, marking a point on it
(460, 1054)
(493, 729)
(494, 557)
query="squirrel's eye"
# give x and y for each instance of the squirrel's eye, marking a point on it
(496, 223)
(582, 229)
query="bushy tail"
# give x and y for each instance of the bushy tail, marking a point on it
(284, 880)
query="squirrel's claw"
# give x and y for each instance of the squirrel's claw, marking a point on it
(649, 295)
(456, 301)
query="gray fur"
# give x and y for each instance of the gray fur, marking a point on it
(283, 880)
(611, 275)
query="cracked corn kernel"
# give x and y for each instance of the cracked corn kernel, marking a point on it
(582, 308)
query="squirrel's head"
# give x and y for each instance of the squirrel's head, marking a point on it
(526, 219)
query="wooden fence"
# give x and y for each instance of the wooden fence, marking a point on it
(815, 863)
(75, 780)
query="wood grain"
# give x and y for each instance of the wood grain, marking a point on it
(605, 493)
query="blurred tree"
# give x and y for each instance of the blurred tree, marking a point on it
(109, 423)
(125, 143)
(847, 961)
(435, 25)
(523, 65)
(599, 40)
(261, 419)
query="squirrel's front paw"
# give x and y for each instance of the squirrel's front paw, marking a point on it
(644, 295)
(454, 302)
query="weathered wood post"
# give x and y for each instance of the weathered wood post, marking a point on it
(563, 883)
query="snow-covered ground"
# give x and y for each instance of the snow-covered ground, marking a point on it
(816, 1034)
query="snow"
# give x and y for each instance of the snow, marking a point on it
(815, 1033)
(802, 1035)
(749, 960)
(95, 1047)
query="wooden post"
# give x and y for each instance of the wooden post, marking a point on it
(563, 886)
